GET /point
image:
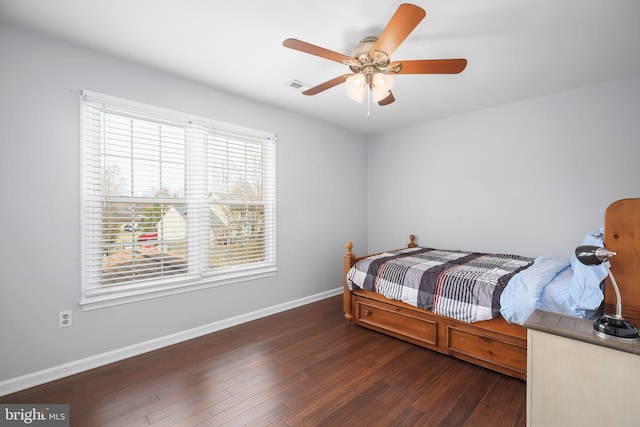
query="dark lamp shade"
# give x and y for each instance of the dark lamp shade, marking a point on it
(593, 255)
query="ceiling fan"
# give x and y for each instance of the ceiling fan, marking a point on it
(370, 61)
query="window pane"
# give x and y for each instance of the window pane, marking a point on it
(235, 191)
(143, 158)
(236, 168)
(237, 235)
(143, 241)
(143, 238)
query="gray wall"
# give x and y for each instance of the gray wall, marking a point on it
(40, 189)
(530, 178)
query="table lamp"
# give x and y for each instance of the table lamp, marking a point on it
(607, 325)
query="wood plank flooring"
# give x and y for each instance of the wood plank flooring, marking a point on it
(302, 367)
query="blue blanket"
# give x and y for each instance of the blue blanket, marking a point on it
(556, 284)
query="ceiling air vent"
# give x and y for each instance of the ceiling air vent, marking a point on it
(297, 85)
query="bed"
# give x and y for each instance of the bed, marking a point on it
(484, 326)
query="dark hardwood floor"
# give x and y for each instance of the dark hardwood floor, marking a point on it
(302, 367)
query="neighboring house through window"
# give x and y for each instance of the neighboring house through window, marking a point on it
(171, 202)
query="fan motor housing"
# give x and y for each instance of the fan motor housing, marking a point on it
(365, 56)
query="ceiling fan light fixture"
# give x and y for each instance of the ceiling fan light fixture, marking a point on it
(378, 95)
(370, 61)
(382, 81)
(381, 85)
(356, 86)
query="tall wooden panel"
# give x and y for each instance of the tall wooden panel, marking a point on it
(622, 235)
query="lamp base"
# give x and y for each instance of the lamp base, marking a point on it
(617, 327)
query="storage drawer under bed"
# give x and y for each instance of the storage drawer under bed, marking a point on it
(410, 325)
(479, 345)
(506, 354)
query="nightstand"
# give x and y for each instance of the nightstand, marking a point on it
(575, 377)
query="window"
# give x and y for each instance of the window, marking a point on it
(171, 202)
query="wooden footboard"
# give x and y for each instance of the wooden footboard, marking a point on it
(494, 344)
(349, 260)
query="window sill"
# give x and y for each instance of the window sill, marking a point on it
(126, 296)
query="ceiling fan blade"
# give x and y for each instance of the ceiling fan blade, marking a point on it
(432, 66)
(406, 18)
(315, 50)
(388, 100)
(326, 85)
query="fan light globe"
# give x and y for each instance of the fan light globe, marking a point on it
(381, 86)
(355, 87)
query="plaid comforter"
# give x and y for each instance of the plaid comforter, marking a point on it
(462, 285)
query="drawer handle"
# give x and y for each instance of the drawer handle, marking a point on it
(366, 312)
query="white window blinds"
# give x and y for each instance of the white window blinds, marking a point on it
(241, 214)
(171, 201)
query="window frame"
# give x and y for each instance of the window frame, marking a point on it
(198, 133)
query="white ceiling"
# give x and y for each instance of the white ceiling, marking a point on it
(516, 49)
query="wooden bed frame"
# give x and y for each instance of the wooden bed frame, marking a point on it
(496, 344)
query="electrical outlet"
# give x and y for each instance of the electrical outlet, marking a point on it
(64, 319)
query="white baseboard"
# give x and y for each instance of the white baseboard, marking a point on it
(44, 376)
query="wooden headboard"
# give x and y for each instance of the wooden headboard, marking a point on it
(622, 235)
